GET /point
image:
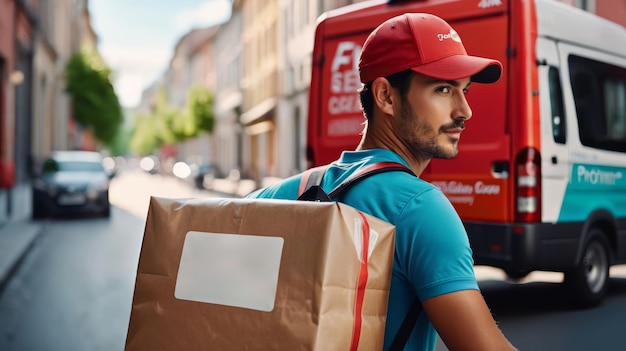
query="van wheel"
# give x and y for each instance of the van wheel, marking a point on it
(588, 281)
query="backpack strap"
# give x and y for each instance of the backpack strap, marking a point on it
(309, 188)
(407, 326)
(368, 170)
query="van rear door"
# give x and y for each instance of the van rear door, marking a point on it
(477, 180)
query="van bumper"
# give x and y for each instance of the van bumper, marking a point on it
(525, 247)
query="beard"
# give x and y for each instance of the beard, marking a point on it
(422, 139)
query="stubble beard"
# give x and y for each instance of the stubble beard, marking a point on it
(421, 137)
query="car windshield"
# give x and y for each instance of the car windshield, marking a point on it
(73, 166)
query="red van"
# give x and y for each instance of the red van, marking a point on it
(540, 179)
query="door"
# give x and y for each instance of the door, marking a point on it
(554, 137)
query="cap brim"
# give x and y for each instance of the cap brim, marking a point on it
(479, 69)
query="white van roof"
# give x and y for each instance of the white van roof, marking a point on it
(567, 23)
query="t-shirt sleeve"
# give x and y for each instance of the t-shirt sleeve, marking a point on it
(285, 190)
(432, 247)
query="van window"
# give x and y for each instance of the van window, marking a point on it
(599, 91)
(556, 105)
(615, 101)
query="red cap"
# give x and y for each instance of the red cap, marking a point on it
(425, 44)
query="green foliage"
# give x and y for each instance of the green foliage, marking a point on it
(170, 121)
(199, 113)
(119, 146)
(144, 139)
(168, 125)
(94, 102)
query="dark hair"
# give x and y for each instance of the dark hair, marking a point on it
(400, 81)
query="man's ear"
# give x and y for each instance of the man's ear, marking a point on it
(382, 93)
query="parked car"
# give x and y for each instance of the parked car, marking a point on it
(71, 182)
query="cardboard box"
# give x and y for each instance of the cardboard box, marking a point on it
(241, 274)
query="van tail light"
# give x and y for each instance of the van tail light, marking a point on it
(528, 186)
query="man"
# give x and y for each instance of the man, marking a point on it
(416, 72)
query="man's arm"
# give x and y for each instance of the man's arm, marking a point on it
(464, 322)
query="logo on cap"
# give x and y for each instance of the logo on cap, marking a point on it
(452, 35)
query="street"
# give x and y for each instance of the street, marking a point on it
(73, 291)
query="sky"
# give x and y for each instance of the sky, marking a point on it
(137, 37)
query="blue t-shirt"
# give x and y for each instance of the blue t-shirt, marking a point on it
(432, 255)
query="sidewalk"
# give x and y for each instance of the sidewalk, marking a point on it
(16, 238)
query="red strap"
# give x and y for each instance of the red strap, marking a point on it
(361, 284)
(304, 180)
(373, 167)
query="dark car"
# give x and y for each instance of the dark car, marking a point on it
(72, 182)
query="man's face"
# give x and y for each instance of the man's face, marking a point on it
(432, 116)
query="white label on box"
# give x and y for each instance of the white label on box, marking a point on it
(230, 269)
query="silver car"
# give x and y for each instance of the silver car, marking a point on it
(72, 182)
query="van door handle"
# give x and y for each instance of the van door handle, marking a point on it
(554, 160)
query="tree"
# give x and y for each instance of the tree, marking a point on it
(145, 139)
(94, 102)
(168, 125)
(199, 116)
(120, 143)
(164, 124)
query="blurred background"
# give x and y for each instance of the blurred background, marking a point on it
(185, 98)
(219, 85)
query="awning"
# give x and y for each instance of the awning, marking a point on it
(258, 111)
